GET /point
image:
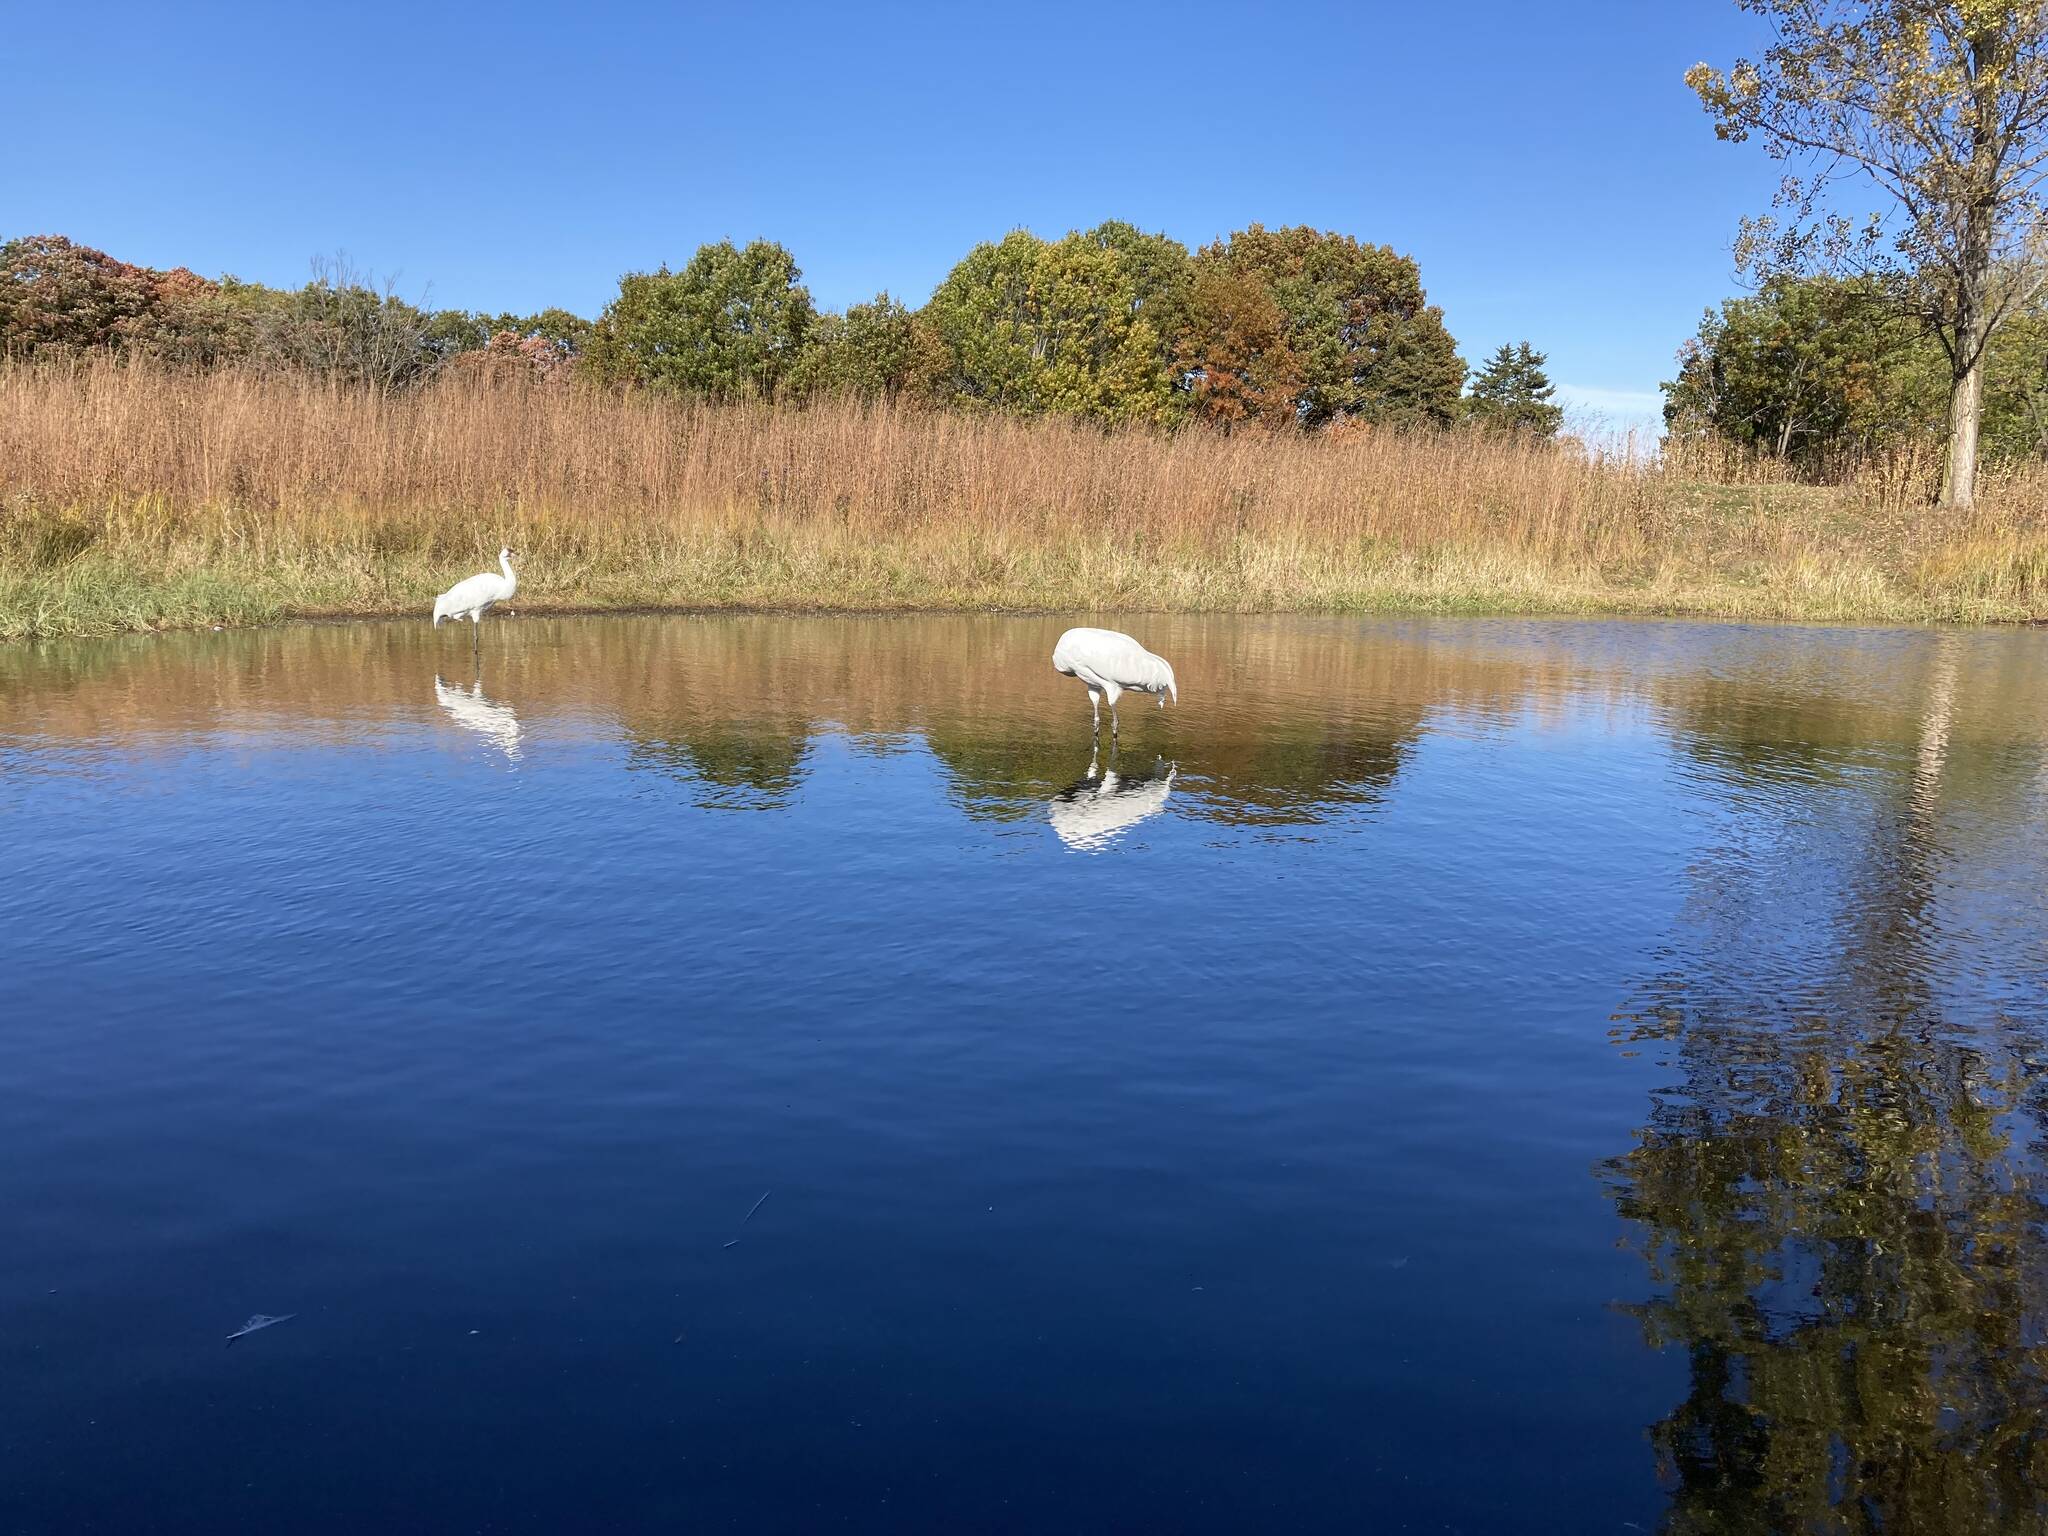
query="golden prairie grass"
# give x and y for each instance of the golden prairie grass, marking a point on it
(132, 497)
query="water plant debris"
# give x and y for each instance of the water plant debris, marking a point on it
(750, 1214)
(258, 1322)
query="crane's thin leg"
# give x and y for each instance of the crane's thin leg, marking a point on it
(1095, 704)
(1112, 725)
(476, 641)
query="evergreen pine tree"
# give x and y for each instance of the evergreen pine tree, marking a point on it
(1513, 393)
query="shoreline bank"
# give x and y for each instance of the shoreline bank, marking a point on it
(100, 598)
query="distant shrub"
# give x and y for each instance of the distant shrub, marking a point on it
(58, 295)
(508, 356)
(731, 325)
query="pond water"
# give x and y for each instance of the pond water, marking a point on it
(1464, 1076)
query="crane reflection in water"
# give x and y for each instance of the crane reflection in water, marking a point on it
(473, 711)
(1104, 805)
(1818, 913)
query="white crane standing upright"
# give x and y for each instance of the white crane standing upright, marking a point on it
(1112, 664)
(468, 598)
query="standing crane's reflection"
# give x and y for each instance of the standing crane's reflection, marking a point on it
(1104, 806)
(469, 709)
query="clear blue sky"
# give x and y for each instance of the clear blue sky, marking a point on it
(1544, 164)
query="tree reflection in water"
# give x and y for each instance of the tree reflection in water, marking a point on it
(1841, 1198)
(734, 765)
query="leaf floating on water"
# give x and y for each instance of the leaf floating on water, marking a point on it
(258, 1322)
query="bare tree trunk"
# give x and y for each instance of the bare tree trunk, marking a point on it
(1974, 315)
(1965, 408)
(1966, 376)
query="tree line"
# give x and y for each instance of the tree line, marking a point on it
(1826, 376)
(1266, 330)
(1922, 321)
(1938, 110)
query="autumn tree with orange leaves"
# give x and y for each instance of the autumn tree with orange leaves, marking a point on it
(1240, 371)
(56, 294)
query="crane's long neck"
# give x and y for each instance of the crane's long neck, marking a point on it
(511, 576)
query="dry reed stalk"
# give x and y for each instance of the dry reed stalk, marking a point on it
(132, 496)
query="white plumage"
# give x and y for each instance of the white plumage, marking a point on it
(1112, 664)
(470, 597)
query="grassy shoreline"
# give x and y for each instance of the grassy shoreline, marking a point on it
(137, 499)
(98, 597)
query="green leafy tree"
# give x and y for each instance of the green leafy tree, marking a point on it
(2016, 388)
(732, 324)
(546, 343)
(1818, 372)
(1369, 343)
(1065, 327)
(209, 323)
(1824, 375)
(1101, 355)
(1943, 105)
(1513, 393)
(986, 316)
(509, 356)
(1159, 272)
(568, 332)
(452, 332)
(875, 351)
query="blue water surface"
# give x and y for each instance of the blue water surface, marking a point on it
(1443, 1076)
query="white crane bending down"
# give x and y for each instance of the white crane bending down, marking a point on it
(1112, 664)
(468, 598)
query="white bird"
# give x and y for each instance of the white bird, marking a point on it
(1100, 809)
(1112, 664)
(468, 598)
(496, 722)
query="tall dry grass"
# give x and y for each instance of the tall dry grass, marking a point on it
(135, 497)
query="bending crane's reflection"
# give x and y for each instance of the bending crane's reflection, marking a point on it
(469, 709)
(1104, 806)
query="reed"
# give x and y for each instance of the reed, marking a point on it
(134, 497)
